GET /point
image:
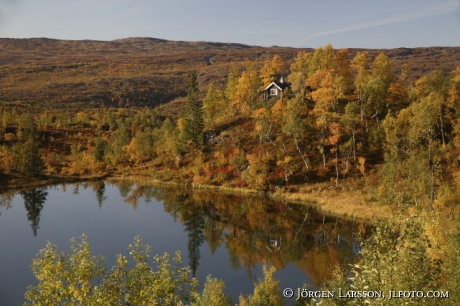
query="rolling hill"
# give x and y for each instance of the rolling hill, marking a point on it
(147, 71)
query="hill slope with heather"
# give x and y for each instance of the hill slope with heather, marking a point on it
(148, 71)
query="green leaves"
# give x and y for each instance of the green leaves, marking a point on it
(68, 278)
(266, 293)
(213, 294)
(65, 277)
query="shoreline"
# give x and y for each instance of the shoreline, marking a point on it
(344, 204)
(52, 180)
(348, 205)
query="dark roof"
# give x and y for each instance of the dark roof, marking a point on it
(282, 85)
(278, 84)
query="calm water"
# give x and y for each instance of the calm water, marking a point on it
(226, 236)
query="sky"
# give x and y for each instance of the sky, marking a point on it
(289, 23)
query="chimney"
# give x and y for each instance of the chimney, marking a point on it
(281, 80)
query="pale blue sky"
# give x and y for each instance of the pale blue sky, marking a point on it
(291, 23)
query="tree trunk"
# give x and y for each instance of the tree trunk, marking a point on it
(300, 152)
(336, 167)
(354, 145)
(442, 132)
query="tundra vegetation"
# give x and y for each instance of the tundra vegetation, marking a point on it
(349, 125)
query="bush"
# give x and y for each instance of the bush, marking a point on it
(67, 278)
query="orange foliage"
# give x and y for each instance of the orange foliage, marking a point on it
(278, 111)
(321, 78)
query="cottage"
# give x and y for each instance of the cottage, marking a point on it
(276, 89)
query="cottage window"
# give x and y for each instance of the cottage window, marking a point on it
(273, 92)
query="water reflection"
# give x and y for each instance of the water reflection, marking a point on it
(252, 229)
(193, 220)
(5, 201)
(99, 190)
(33, 203)
(256, 230)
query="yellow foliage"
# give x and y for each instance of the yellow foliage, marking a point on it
(220, 156)
(361, 161)
(259, 127)
(325, 99)
(180, 124)
(7, 159)
(397, 94)
(256, 174)
(335, 131)
(10, 137)
(246, 91)
(278, 111)
(457, 134)
(454, 92)
(131, 149)
(260, 113)
(361, 166)
(261, 116)
(287, 159)
(266, 292)
(270, 69)
(321, 78)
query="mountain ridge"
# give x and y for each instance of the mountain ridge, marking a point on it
(146, 71)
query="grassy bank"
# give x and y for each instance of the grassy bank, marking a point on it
(354, 205)
(351, 204)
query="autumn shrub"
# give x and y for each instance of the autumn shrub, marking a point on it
(257, 173)
(68, 278)
(220, 158)
(397, 257)
(267, 291)
(452, 262)
(213, 294)
(167, 174)
(238, 160)
(322, 171)
(76, 277)
(221, 177)
(199, 179)
(9, 156)
(152, 173)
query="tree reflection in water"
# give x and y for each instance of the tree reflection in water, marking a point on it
(99, 190)
(33, 202)
(193, 220)
(256, 229)
(5, 200)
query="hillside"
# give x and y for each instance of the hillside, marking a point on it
(148, 71)
(364, 139)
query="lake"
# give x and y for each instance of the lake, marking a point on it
(228, 236)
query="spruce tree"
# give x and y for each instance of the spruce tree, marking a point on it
(193, 123)
(34, 201)
(99, 150)
(31, 164)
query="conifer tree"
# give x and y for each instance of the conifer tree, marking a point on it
(30, 161)
(99, 152)
(193, 124)
(33, 202)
